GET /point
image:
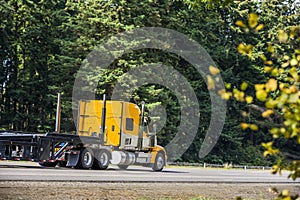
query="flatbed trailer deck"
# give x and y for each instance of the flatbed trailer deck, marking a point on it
(42, 148)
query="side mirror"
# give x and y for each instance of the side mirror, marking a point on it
(146, 121)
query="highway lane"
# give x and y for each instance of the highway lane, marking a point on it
(33, 172)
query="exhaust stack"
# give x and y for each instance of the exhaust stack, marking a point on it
(103, 117)
(141, 129)
(58, 114)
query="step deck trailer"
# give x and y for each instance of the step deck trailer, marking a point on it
(48, 149)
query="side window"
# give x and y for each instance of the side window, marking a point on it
(129, 124)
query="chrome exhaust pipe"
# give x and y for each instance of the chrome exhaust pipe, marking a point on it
(58, 115)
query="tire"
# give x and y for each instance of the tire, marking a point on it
(123, 167)
(86, 159)
(102, 158)
(160, 162)
(48, 164)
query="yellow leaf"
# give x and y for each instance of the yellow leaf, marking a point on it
(254, 127)
(263, 57)
(275, 72)
(243, 49)
(249, 99)
(294, 62)
(245, 114)
(275, 169)
(267, 145)
(294, 73)
(226, 95)
(282, 86)
(267, 113)
(282, 99)
(282, 36)
(286, 64)
(213, 70)
(285, 193)
(244, 126)
(249, 48)
(270, 48)
(266, 153)
(281, 71)
(259, 27)
(238, 95)
(244, 86)
(274, 132)
(286, 57)
(221, 92)
(210, 82)
(282, 130)
(268, 69)
(252, 20)
(261, 95)
(240, 24)
(259, 86)
(293, 89)
(271, 85)
(293, 98)
(228, 85)
(269, 62)
(271, 103)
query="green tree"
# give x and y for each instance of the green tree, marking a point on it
(27, 46)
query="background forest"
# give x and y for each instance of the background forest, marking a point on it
(43, 44)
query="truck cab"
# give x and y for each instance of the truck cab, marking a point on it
(123, 134)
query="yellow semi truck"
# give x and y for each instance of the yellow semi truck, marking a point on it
(108, 132)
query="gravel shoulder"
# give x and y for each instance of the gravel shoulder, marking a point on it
(85, 190)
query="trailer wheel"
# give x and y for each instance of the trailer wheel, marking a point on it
(86, 159)
(102, 160)
(123, 166)
(160, 162)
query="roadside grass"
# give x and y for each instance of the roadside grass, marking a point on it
(214, 168)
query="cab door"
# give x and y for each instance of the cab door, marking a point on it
(113, 123)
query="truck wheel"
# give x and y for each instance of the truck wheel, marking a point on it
(102, 160)
(159, 162)
(86, 159)
(123, 166)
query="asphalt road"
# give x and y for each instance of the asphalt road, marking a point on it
(25, 171)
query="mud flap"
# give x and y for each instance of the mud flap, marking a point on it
(72, 160)
(44, 149)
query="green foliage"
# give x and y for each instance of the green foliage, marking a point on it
(27, 46)
(195, 4)
(279, 94)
